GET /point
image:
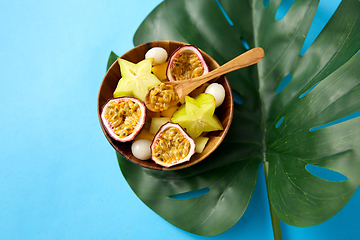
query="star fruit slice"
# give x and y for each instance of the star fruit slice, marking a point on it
(136, 79)
(197, 115)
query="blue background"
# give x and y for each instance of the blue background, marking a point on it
(59, 177)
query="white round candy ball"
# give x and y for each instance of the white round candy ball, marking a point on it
(159, 55)
(141, 149)
(218, 91)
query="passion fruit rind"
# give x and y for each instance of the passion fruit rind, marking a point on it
(123, 117)
(186, 62)
(172, 145)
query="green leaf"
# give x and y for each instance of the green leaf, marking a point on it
(276, 123)
(230, 186)
(112, 58)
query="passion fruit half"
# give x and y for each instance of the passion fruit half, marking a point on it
(186, 62)
(172, 145)
(123, 118)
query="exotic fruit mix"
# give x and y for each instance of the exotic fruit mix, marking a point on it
(172, 135)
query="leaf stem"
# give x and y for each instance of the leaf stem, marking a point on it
(274, 218)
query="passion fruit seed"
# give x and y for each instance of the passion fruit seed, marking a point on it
(123, 117)
(186, 65)
(171, 146)
(162, 96)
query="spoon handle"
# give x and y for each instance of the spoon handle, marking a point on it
(246, 59)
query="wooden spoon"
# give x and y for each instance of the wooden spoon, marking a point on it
(184, 87)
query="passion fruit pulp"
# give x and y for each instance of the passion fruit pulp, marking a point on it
(123, 117)
(186, 62)
(172, 145)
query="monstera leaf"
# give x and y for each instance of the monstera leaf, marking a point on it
(288, 102)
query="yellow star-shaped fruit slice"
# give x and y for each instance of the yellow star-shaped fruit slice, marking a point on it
(136, 79)
(197, 115)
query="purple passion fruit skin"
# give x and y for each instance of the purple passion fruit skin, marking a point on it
(186, 62)
(123, 118)
(172, 145)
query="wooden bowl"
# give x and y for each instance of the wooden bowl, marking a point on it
(135, 55)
